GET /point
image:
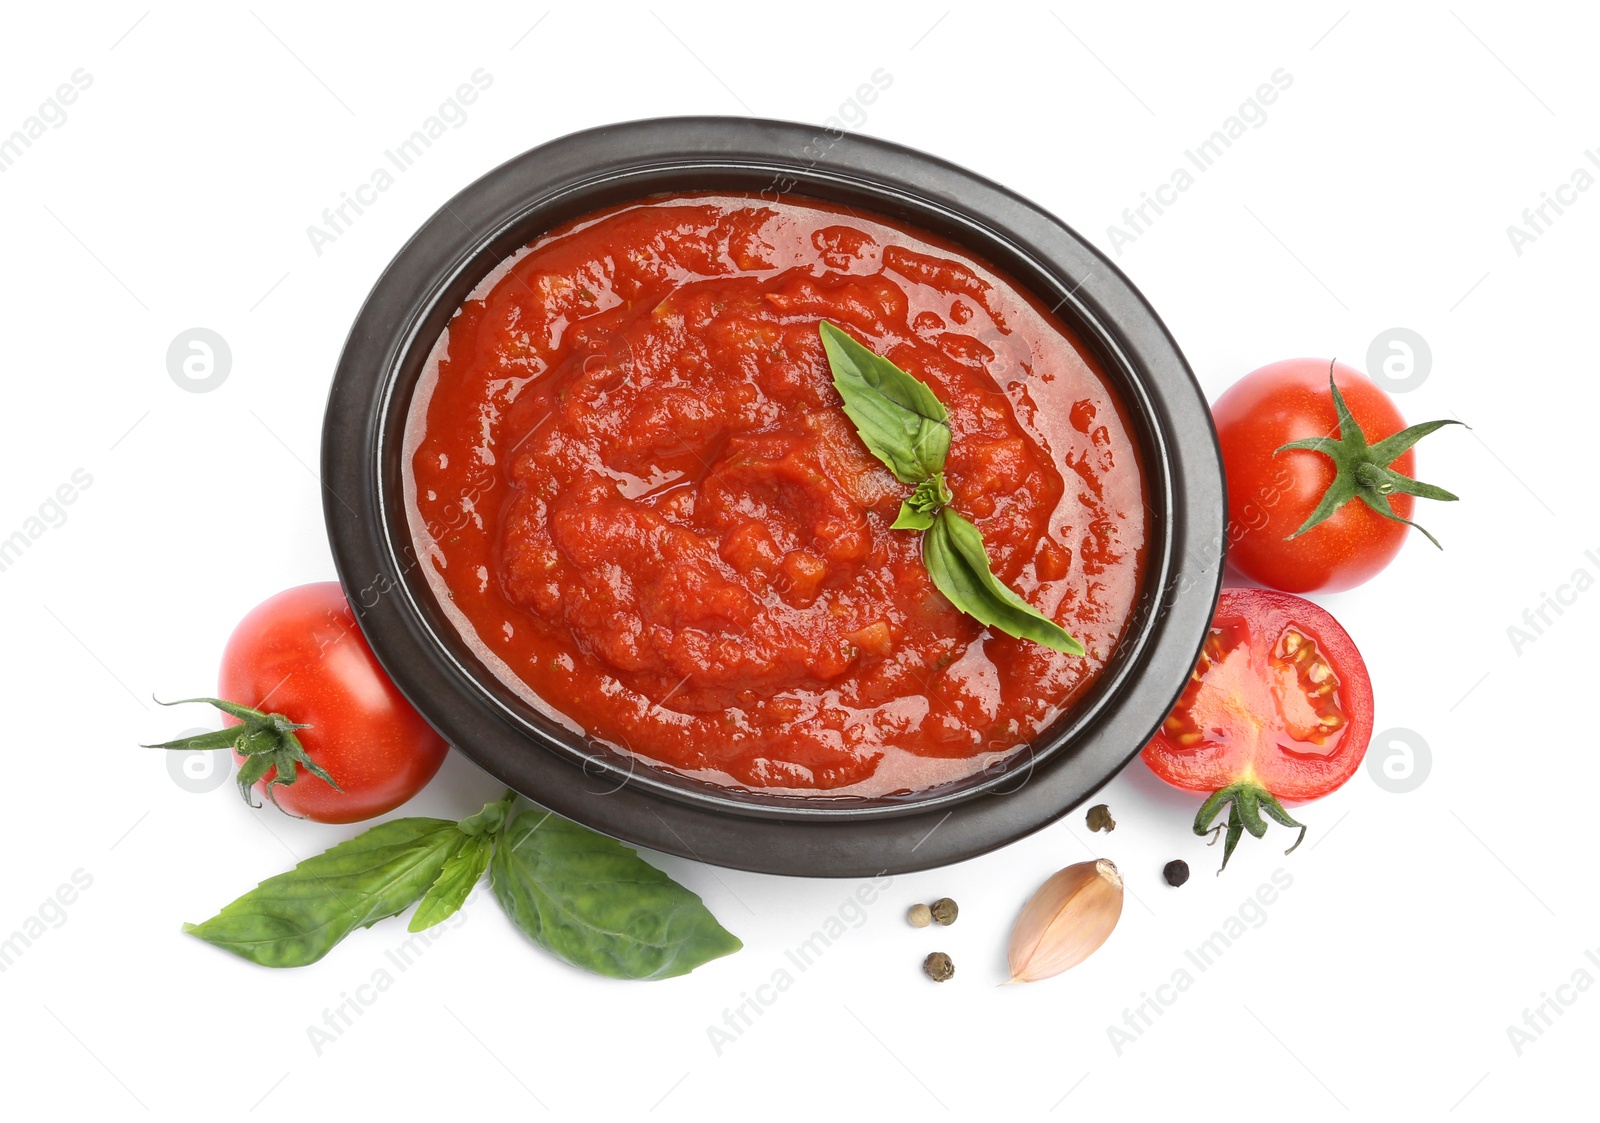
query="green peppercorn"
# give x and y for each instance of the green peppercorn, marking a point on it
(938, 967)
(944, 911)
(1100, 818)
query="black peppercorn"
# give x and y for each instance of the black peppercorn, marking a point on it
(1176, 872)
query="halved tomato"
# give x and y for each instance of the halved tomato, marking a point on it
(1278, 708)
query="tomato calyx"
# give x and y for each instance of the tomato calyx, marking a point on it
(1246, 801)
(266, 741)
(1361, 470)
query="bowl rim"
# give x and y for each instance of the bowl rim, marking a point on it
(476, 230)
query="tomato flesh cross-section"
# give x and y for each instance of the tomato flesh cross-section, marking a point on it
(1278, 708)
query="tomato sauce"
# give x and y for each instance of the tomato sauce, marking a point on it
(635, 492)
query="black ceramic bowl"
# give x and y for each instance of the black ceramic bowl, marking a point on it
(607, 789)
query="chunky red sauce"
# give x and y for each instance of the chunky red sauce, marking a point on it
(636, 492)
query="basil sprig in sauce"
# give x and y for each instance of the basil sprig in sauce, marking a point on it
(904, 424)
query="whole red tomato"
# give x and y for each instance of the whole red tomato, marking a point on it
(301, 655)
(1349, 477)
(1278, 709)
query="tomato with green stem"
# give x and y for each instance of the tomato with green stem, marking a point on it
(1277, 710)
(1318, 463)
(315, 724)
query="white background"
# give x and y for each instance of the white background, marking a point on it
(1418, 926)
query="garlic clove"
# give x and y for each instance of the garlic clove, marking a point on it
(1065, 921)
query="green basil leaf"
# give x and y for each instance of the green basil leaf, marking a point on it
(295, 918)
(461, 871)
(917, 512)
(489, 820)
(595, 903)
(910, 518)
(900, 420)
(954, 553)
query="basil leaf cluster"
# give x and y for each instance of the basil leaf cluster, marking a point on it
(903, 423)
(588, 899)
